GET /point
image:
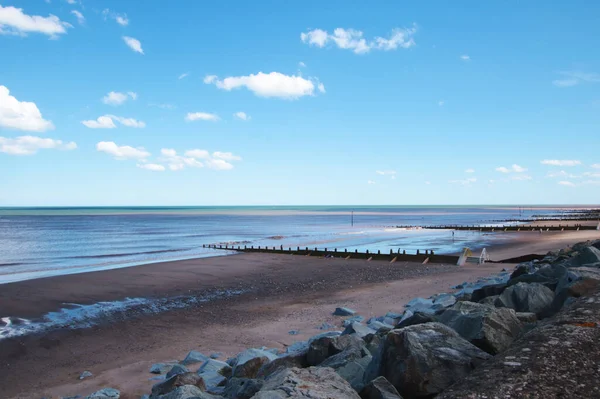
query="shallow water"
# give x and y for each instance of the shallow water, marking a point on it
(43, 242)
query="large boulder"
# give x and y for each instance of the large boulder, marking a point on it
(194, 357)
(322, 348)
(577, 282)
(242, 388)
(351, 363)
(296, 359)
(416, 318)
(309, 383)
(523, 297)
(247, 363)
(164, 387)
(106, 393)
(486, 291)
(214, 373)
(358, 329)
(380, 388)
(587, 254)
(188, 392)
(177, 369)
(161, 368)
(491, 329)
(423, 359)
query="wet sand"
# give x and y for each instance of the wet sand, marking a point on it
(284, 293)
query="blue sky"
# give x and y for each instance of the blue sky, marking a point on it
(272, 102)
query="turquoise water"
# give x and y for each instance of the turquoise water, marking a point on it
(42, 242)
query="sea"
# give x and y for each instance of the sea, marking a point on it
(44, 242)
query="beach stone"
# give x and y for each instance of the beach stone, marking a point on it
(106, 393)
(526, 317)
(216, 355)
(587, 254)
(380, 388)
(242, 388)
(324, 334)
(444, 300)
(417, 318)
(85, 374)
(344, 312)
(215, 365)
(161, 368)
(309, 383)
(488, 300)
(194, 357)
(177, 381)
(424, 359)
(187, 392)
(524, 297)
(297, 347)
(490, 329)
(486, 291)
(351, 365)
(352, 319)
(288, 361)
(377, 325)
(249, 369)
(321, 349)
(250, 354)
(213, 379)
(421, 305)
(177, 369)
(579, 281)
(358, 329)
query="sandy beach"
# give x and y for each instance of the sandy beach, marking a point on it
(282, 293)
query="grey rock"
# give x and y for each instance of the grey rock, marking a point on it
(351, 365)
(248, 362)
(293, 332)
(378, 325)
(242, 388)
(486, 291)
(325, 347)
(393, 315)
(490, 329)
(526, 317)
(177, 369)
(310, 383)
(326, 326)
(352, 319)
(577, 282)
(216, 355)
(444, 300)
(380, 388)
(194, 357)
(489, 300)
(297, 347)
(417, 318)
(524, 297)
(325, 334)
(588, 254)
(85, 374)
(215, 365)
(106, 393)
(213, 379)
(344, 312)
(358, 329)
(422, 360)
(419, 302)
(161, 368)
(187, 392)
(169, 385)
(288, 361)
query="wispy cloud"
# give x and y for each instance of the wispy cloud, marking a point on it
(118, 98)
(560, 162)
(122, 152)
(183, 75)
(513, 169)
(470, 170)
(464, 182)
(566, 183)
(107, 122)
(121, 19)
(242, 115)
(198, 158)
(563, 174)
(596, 166)
(79, 16)
(465, 57)
(29, 145)
(133, 44)
(202, 116)
(574, 78)
(386, 172)
(441, 103)
(151, 166)
(13, 21)
(352, 39)
(371, 182)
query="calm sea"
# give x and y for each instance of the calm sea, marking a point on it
(42, 242)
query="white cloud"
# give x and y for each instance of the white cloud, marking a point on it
(122, 20)
(596, 166)
(203, 116)
(566, 183)
(209, 79)
(133, 44)
(151, 166)
(218, 164)
(13, 21)
(183, 75)
(371, 182)
(301, 64)
(386, 172)
(464, 182)
(428, 182)
(242, 115)
(521, 177)
(514, 168)
(117, 98)
(29, 145)
(72, 1)
(352, 39)
(107, 122)
(163, 106)
(591, 174)
(79, 16)
(272, 84)
(201, 154)
(574, 78)
(226, 156)
(470, 170)
(21, 115)
(465, 57)
(321, 87)
(122, 152)
(562, 173)
(561, 162)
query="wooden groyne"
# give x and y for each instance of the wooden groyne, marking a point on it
(421, 256)
(499, 229)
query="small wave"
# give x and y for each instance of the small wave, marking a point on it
(12, 264)
(230, 243)
(126, 254)
(276, 238)
(75, 316)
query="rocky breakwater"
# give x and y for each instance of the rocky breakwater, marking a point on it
(532, 333)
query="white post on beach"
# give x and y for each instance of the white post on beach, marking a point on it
(598, 227)
(463, 257)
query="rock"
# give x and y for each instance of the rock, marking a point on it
(161, 368)
(393, 315)
(358, 329)
(526, 317)
(177, 369)
(214, 373)
(377, 325)
(489, 300)
(310, 383)
(249, 369)
(421, 305)
(486, 291)
(106, 393)
(325, 334)
(588, 254)
(249, 354)
(344, 312)
(297, 347)
(417, 318)
(424, 359)
(462, 296)
(216, 355)
(188, 392)
(351, 365)
(85, 374)
(242, 388)
(490, 329)
(521, 269)
(524, 297)
(324, 347)
(194, 357)
(327, 326)
(352, 319)
(577, 282)
(288, 361)
(177, 381)
(380, 388)
(444, 301)
(535, 278)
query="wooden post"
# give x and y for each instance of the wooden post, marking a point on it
(378, 252)
(417, 252)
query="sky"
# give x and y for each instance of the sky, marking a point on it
(285, 103)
